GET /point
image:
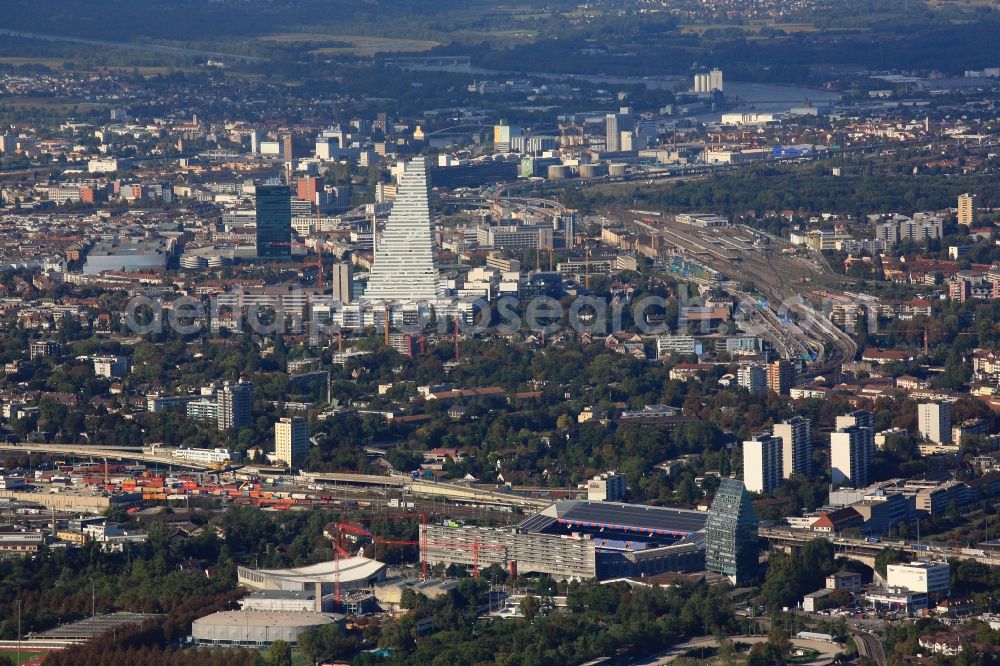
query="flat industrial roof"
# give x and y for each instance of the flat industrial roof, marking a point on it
(637, 518)
(256, 618)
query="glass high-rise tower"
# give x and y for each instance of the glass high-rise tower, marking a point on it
(403, 269)
(731, 533)
(274, 221)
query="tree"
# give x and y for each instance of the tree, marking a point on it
(327, 642)
(888, 556)
(278, 654)
(530, 607)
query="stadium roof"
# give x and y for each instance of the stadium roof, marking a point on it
(638, 518)
(351, 569)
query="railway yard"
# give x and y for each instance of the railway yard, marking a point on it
(775, 286)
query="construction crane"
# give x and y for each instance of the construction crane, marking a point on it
(342, 528)
(423, 543)
(339, 530)
(319, 258)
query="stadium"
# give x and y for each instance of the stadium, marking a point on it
(578, 539)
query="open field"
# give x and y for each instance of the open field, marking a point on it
(38, 60)
(26, 656)
(353, 44)
(49, 103)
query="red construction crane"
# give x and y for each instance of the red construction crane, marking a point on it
(424, 543)
(343, 527)
(319, 258)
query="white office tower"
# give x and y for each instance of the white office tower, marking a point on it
(796, 448)
(403, 269)
(762, 463)
(850, 455)
(934, 421)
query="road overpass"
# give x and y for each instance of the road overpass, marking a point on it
(422, 487)
(865, 551)
(135, 453)
(429, 488)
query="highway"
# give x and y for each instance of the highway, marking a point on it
(416, 487)
(868, 549)
(827, 651)
(133, 46)
(109, 452)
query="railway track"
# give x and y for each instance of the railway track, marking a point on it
(782, 280)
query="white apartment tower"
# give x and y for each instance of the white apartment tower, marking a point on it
(403, 269)
(762, 463)
(612, 134)
(233, 405)
(796, 446)
(850, 455)
(291, 441)
(934, 421)
(752, 377)
(859, 418)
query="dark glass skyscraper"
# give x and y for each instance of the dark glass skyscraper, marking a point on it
(731, 533)
(274, 221)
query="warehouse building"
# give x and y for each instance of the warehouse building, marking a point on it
(256, 629)
(578, 539)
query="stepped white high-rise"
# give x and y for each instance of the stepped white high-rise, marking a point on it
(403, 269)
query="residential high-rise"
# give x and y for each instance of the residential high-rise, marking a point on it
(403, 269)
(341, 276)
(762, 463)
(966, 209)
(860, 418)
(287, 150)
(850, 454)
(752, 377)
(731, 533)
(959, 290)
(233, 405)
(934, 421)
(254, 142)
(796, 446)
(274, 221)
(291, 441)
(613, 137)
(780, 376)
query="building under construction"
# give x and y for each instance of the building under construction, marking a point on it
(577, 539)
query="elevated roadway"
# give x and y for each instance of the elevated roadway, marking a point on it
(109, 452)
(420, 487)
(865, 551)
(424, 487)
